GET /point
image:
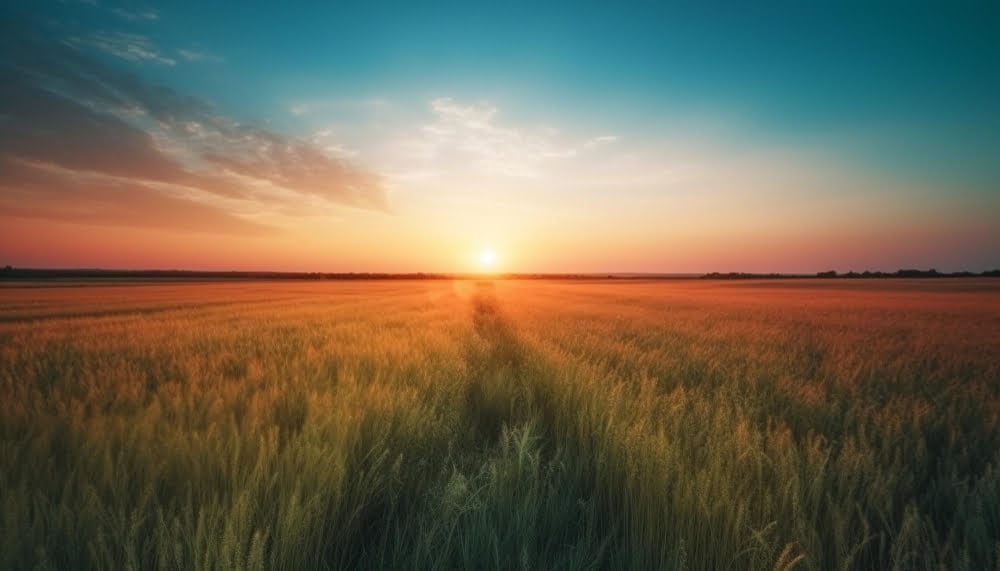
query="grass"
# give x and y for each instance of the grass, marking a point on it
(534, 425)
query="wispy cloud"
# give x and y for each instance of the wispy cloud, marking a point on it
(131, 47)
(37, 190)
(598, 141)
(473, 132)
(474, 140)
(199, 56)
(147, 14)
(86, 126)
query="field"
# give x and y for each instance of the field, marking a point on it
(510, 424)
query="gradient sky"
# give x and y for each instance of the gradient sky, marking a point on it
(569, 137)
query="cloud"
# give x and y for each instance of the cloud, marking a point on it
(598, 141)
(131, 47)
(476, 143)
(473, 132)
(137, 15)
(294, 164)
(34, 190)
(199, 56)
(79, 118)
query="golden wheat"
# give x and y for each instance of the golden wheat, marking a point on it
(439, 424)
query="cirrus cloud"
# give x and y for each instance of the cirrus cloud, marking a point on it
(87, 125)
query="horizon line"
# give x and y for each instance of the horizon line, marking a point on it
(10, 272)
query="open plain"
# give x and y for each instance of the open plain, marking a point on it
(809, 424)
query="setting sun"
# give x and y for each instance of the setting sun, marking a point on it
(487, 259)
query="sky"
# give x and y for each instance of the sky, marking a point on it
(500, 136)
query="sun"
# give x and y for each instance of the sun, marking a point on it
(487, 258)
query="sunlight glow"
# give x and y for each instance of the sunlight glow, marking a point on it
(487, 258)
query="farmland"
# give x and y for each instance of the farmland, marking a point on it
(500, 424)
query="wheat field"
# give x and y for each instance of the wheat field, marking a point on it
(686, 424)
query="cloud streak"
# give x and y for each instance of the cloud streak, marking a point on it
(199, 56)
(34, 190)
(473, 133)
(147, 15)
(86, 126)
(131, 47)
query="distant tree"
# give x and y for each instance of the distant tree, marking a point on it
(909, 273)
(827, 274)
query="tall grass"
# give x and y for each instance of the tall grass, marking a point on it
(432, 425)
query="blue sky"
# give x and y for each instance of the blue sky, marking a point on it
(792, 71)
(884, 114)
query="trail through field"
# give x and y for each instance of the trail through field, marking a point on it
(498, 389)
(510, 384)
(492, 326)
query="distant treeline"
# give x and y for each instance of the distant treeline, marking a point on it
(832, 274)
(9, 272)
